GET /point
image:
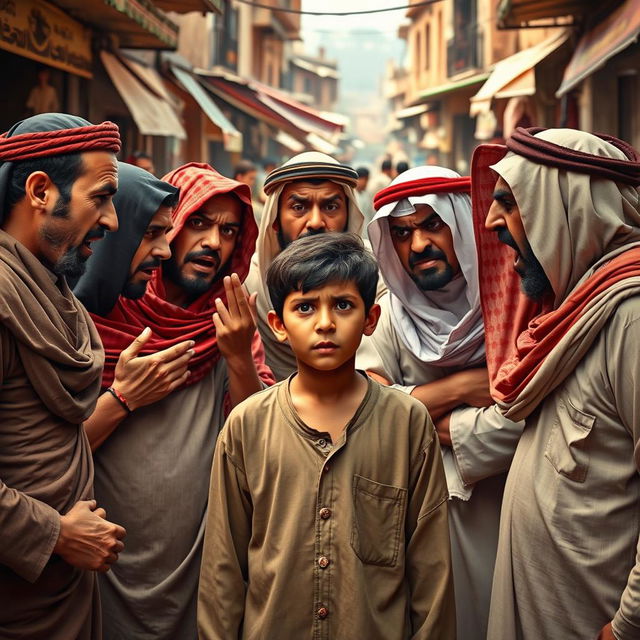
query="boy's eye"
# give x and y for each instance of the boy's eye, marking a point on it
(343, 305)
(304, 307)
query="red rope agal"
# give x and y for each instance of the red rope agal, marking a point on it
(423, 187)
(26, 146)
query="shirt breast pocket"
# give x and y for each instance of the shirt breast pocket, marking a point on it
(568, 447)
(378, 519)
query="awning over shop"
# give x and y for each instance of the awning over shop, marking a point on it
(611, 36)
(273, 107)
(515, 76)
(289, 142)
(152, 113)
(138, 25)
(410, 112)
(519, 13)
(200, 95)
(442, 89)
(185, 6)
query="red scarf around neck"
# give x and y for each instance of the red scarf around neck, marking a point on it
(171, 324)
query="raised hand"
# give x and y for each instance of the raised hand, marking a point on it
(87, 540)
(143, 380)
(236, 323)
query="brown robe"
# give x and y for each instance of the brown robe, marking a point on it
(50, 370)
(309, 538)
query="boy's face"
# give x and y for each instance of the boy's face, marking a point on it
(324, 326)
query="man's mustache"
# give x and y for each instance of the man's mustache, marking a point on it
(154, 263)
(430, 253)
(312, 232)
(205, 253)
(504, 236)
(95, 234)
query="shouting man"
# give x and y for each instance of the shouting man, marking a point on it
(122, 265)
(311, 193)
(58, 174)
(430, 343)
(566, 204)
(151, 471)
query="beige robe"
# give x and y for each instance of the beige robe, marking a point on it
(152, 478)
(310, 539)
(568, 560)
(475, 489)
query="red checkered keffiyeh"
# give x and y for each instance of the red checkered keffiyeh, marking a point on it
(169, 323)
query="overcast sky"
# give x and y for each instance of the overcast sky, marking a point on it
(361, 44)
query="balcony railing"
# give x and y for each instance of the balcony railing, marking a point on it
(464, 52)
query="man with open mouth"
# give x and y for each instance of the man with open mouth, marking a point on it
(558, 229)
(153, 469)
(58, 174)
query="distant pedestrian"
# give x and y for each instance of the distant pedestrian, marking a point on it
(401, 167)
(383, 178)
(143, 160)
(364, 195)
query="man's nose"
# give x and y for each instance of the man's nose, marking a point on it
(494, 218)
(212, 238)
(420, 240)
(109, 218)
(315, 220)
(161, 249)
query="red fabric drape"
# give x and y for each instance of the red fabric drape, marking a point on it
(169, 323)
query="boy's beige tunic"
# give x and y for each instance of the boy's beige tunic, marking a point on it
(306, 539)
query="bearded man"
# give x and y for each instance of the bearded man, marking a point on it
(429, 343)
(122, 265)
(58, 174)
(152, 469)
(563, 359)
(309, 194)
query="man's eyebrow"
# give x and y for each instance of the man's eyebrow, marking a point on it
(109, 189)
(415, 224)
(336, 196)
(501, 194)
(212, 218)
(297, 198)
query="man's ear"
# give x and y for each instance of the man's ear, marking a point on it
(371, 321)
(40, 192)
(277, 326)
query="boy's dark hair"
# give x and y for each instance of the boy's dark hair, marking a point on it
(314, 261)
(63, 170)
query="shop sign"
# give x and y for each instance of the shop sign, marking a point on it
(38, 30)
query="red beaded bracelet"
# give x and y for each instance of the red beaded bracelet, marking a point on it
(120, 398)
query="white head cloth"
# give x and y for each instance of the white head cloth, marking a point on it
(443, 327)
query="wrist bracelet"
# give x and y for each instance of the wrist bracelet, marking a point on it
(120, 398)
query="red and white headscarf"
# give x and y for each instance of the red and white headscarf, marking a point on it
(442, 327)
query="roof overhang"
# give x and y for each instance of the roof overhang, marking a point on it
(515, 76)
(185, 6)
(608, 38)
(138, 24)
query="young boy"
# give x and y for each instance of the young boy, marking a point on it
(327, 508)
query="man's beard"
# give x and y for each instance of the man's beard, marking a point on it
(284, 240)
(72, 263)
(135, 289)
(197, 285)
(533, 279)
(430, 279)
